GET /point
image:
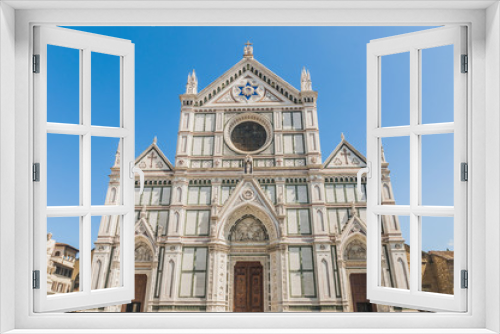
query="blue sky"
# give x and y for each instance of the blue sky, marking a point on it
(335, 57)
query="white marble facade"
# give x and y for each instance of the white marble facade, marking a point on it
(249, 184)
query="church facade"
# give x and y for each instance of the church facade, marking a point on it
(250, 218)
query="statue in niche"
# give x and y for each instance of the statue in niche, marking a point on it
(355, 251)
(143, 253)
(248, 165)
(248, 228)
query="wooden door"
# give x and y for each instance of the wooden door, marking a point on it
(137, 304)
(248, 287)
(358, 290)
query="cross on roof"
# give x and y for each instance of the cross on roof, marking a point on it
(248, 43)
(345, 153)
(152, 157)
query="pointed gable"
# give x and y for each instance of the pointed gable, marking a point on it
(248, 82)
(345, 156)
(152, 158)
(248, 191)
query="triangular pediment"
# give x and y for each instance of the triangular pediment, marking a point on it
(152, 158)
(248, 82)
(248, 191)
(353, 226)
(143, 229)
(345, 156)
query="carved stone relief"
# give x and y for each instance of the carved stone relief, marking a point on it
(248, 228)
(355, 251)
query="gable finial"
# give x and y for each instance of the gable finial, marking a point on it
(155, 140)
(305, 80)
(248, 50)
(192, 83)
(342, 136)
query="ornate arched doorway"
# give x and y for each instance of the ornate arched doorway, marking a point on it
(249, 235)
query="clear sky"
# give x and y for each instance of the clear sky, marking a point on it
(336, 59)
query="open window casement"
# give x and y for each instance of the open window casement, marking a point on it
(54, 260)
(415, 131)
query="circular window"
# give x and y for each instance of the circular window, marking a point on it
(248, 133)
(248, 136)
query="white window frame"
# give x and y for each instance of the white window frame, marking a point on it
(413, 43)
(85, 43)
(16, 20)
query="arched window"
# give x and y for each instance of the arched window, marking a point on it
(171, 268)
(57, 253)
(176, 221)
(95, 276)
(318, 192)
(112, 195)
(321, 221)
(328, 289)
(403, 270)
(179, 194)
(387, 192)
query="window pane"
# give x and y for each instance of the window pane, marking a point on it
(343, 217)
(199, 121)
(349, 189)
(199, 284)
(63, 85)
(193, 195)
(395, 167)
(153, 219)
(165, 197)
(105, 89)
(225, 194)
(155, 196)
(395, 90)
(146, 196)
(292, 221)
(297, 121)
(299, 144)
(437, 254)
(207, 146)
(187, 259)
(332, 220)
(137, 196)
(395, 252)
(191, 222)
(105, 260)
(201, 259)
(103, 157)
(63, 170)
(205, 195)
(287, 121)
(63, 243)
(163, 222)
(296, 284)
(362, 197)
(209, 122)
(288, 144)
(307, 258)
(330, 195)
(308, 282)
(305, 225)
(437, 84)
(437, 169)
(197, 145)
(302, 192)
(271, 193)
(186, 284)
(290, 194)
(339, 192)
(203, 222)
(294, 256)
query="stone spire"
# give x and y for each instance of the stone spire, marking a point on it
(192, 84)
(117, 158)
(248, 50)
(305, 80)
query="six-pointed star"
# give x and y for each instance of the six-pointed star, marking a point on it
(248, 90)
